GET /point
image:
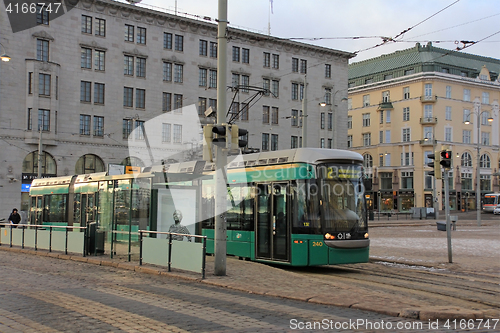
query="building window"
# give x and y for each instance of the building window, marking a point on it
(486, 98)
(367, 139)
(428, 91)
(99, 57)
(86, 24)
(86, 58)
(167, 40)
(409, 71)
(85, 88)
(98, 126)
(381, 116)
(485, 115)
(265, 114)
(349, 141)
(330, 121)
(406, 114)
(236, 54)
(100, 27)
(30, 83)
(388, 136)
(274, 142)
(467, 95)
(235, 80)
(267, 59)
(42, 14)
(178, 73)
(212, 78)
(244, 111)
(295, 65)
(349, 122)
(406, 93)
(485, 161)
(167, 102)
(178, 102)
(141, 35)
(140, 98)
(128, 65)
(366, 100)
(386, 96)
(303, 66)
(466, 179)
(245, 56)
(265, 141)
(428, 111)
(84, 124)
(98, 93)
(140, 67)
(275, 88)
(233, 111)
(448, 91)
(42, 50)
(485, 138)
(166, 133)
(129, 33)
(202, 77)
(213, 50)
(126, 128)
(295, 118)
(447, 134)
(203, 49)
(266, 85)
(179, 43)
(128, 97)
(386, 180)
(485, 182)
(139, 130)
(448, 113)
(366, 119)
(43, 120)
(275, 115)
(388, 116)
(44, 84)
(406, 135)
(466, 160)
(294, 143)
(167, 71)
(276, 61)
(381, 136)
(328, 71)
(322, 143)
(466, 135)
(407, 179)
(245, 82)
(322, 120)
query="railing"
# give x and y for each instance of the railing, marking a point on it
(37, 236)
(428, 98)
(428, 120)
(187, 255)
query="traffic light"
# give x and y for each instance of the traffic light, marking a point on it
(436, 166)
(236, 133)
(446, 159)
(221, 131)
(207, 142)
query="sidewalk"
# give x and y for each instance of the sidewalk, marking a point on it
(422, 245)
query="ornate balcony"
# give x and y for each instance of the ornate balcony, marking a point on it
(428, 120)
(385, 106)
(428, 99)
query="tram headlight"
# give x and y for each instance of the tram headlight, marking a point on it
(366, 235)
(328, 236)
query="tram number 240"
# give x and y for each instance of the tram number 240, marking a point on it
(317, 243)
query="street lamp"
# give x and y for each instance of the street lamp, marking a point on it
(478, 173)
(4, 56)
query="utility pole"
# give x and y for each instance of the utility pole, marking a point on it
(304, 114)
(39, 175)
(221, 152)
(447, 212)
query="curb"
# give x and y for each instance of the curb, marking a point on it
(391, 309)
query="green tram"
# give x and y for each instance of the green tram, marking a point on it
(300, 207)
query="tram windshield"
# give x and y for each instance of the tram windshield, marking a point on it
(342, 192)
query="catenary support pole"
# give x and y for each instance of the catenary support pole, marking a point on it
(221, 152)
(447, 212)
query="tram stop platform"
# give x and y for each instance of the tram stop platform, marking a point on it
(476, 249)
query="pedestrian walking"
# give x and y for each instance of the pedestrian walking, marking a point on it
(14, 217)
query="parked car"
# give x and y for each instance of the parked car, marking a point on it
(496, 211)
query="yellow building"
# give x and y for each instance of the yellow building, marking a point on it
(407, 104)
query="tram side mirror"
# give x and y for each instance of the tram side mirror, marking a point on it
(367, 182)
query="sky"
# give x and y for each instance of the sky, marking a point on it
(463, 20)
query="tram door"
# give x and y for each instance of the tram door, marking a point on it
(272, 231)
(87, 208)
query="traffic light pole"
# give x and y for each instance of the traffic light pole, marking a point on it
(221, 151)
(447, 212)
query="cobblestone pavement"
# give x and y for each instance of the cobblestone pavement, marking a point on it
(43, 294)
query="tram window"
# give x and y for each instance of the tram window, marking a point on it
(305, 208)
(208, 206)
(76, 208)
(55, 208)
(240, 215)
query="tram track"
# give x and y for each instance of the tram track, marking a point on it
(475, 290)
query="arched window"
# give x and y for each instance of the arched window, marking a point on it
(89, 163)
(132, 161)
(30, 164)
(368, 161)
(466, 160)
(485, 161)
